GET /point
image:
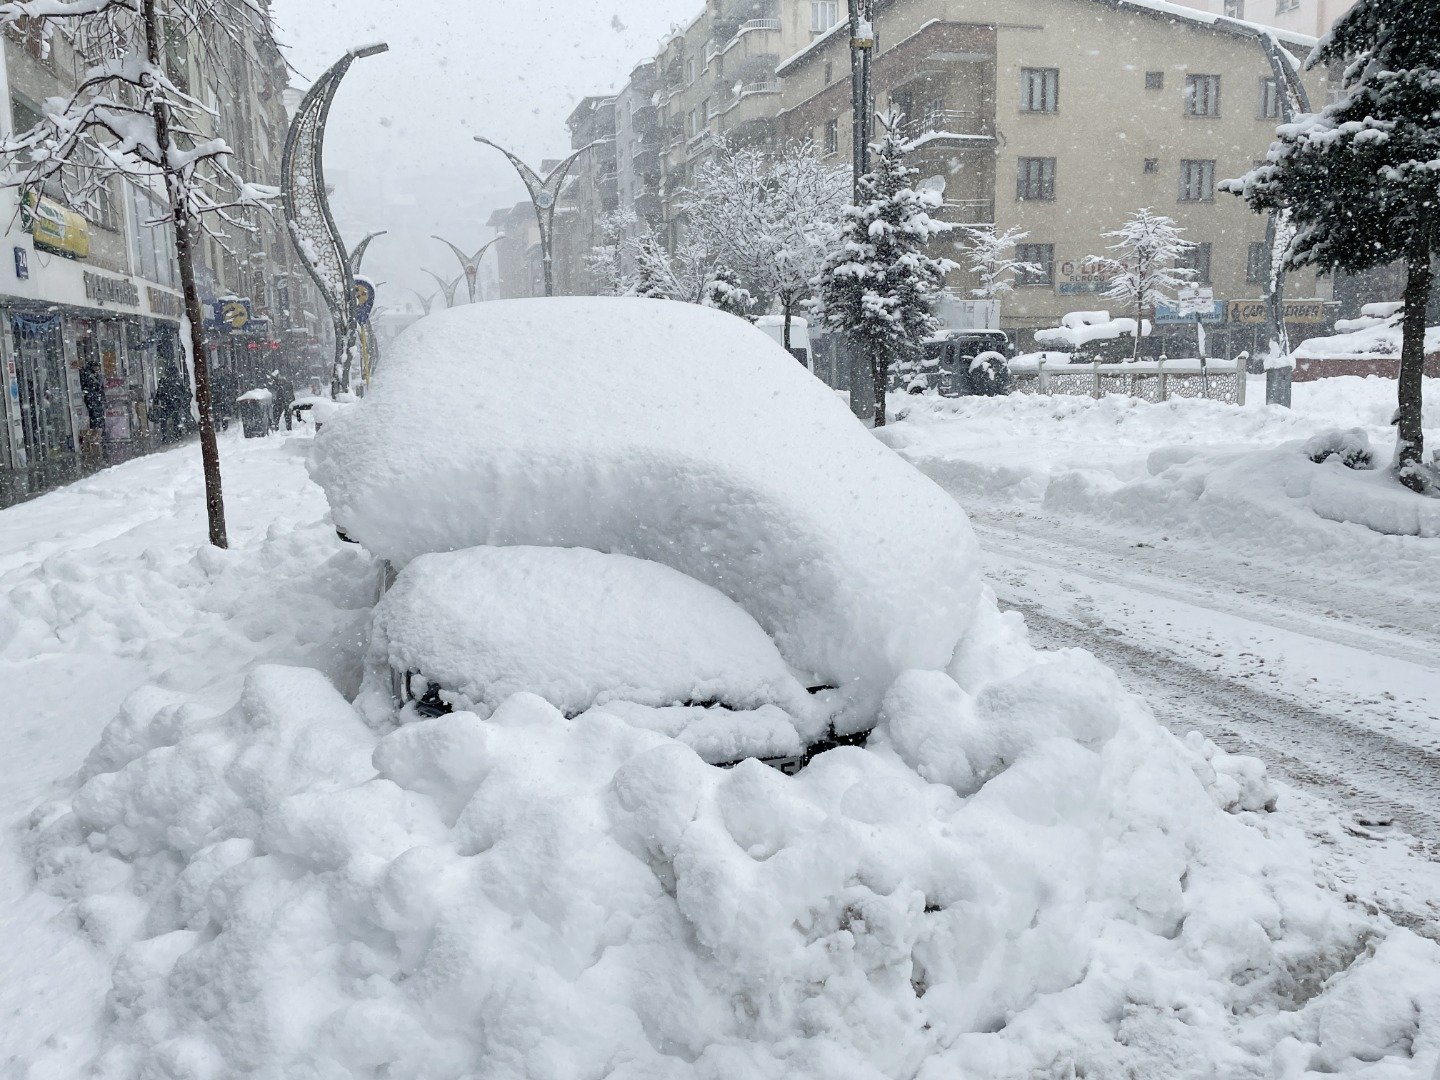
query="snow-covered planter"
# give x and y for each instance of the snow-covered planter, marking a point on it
(667, 432)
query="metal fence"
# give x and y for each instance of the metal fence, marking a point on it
(1149, 380)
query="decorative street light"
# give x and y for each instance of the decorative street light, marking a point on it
(469, 263)
(357, 253)
(544, 194)
(307, 211)
(447, 287)
(425, 301)
(862, 49)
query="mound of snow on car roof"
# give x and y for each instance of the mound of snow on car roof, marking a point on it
(669, 432)
(578, 628)
(1022, 876)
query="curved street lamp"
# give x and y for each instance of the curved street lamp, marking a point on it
(312, 227)
(447, 287)
(425, 301)
(544, 194)
(357, 253)
(470, 263)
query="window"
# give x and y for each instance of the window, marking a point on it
(1154, 80)
(1234, 9)
(1197, 259)
(1202, 95)
(1257, 263)
(705, 110)
(832, 137)
(1152, 165)
(692, 127)
(829, 72)
(1043, 256)
(1269, 99)
(823, 15)
(1036, 180)
(1197, 181)
(690, 72)
(1282, 6)
(1040, 90)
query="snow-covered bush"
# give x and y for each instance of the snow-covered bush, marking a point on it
(1351, 447)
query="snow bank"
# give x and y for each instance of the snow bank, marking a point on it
(1375, 335)
(667, 432)
(577, 628)
(1022, 877)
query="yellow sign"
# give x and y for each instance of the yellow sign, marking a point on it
(234, 314)
(1299, 312)
(54, 228)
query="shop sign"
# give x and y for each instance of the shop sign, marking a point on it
(1075, 279)
(364, 299)
(111, 290)
(233, 314)
(1299, 312)
(1190, 305)
(165, 303)
(22, 264)
(54, 228)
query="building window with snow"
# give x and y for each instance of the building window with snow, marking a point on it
(1197, 181)
(1154, 80)
(1197, 259)
(1269, 98)
(1040, 90)
(1234, 9)
(1202, 95)
(1036, 180)
(1257, 263)
(1043, 258)
(823, 15)
(832, 137)
(1152, 165)
(1283, 6)
(690, 72)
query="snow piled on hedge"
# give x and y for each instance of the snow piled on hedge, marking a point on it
(1023, 876)
(669, 432)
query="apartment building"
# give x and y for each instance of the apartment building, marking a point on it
(1060, 117)
(90, 310)
(589, 197)
(520, 270)
(1313, 17)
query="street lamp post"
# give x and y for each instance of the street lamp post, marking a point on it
(357, 253)
(862, 48)
(544, 194)
(447, 287)
(470, 263)
(306, 204)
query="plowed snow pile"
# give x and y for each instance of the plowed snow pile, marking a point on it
(1021, 876)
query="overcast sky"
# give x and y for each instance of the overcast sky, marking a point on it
(399, 147)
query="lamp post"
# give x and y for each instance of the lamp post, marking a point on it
(307, 211)
(470, 263)
(357, 253)
(862, 48)
(544, 194)
(447, 287)
(425, 301)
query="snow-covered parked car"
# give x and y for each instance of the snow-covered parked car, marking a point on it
(732, 535)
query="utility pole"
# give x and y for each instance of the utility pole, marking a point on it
(862, 48)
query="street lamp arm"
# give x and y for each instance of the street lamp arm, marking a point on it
(357, 254)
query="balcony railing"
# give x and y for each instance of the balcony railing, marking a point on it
(756, 24)
(967, 211)
(940, 123)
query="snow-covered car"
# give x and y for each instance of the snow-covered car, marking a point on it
(580, 521)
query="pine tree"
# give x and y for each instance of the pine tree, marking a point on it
(1147, 271)
(725, 293)
(880, 285)
(651, 270)
(1360, 181)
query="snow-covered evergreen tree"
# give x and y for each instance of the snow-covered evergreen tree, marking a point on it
(1146, 271)
(607, 261)
(128, 122)
(770, 218)
(880, 285)
(991, 258)
(1361, 179)
(725, 293)
(652, 272)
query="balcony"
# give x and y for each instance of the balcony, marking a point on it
(950, 126)
(967, 211)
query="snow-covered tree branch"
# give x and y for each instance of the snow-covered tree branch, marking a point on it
(1146, 271)
(990, 256)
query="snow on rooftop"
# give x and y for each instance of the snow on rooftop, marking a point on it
(669, 432)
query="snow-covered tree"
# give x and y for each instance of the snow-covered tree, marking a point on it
(607, 260)
(771, 218)
(652, 271)
(128, 122)
(1360, 180)
(1146, 271)
(991, 258)
(880, 284)
(725, 293)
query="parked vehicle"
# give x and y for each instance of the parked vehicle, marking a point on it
(970, 362)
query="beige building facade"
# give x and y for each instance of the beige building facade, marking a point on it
(1313, 17)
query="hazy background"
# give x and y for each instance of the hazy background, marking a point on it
(399, 150)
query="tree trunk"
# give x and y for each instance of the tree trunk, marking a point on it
(185, 256)
(880, 372)
(1410, 433)
(786, 301)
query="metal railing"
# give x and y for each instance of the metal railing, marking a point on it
(968, 211)
(1149, 380)
(950, 122)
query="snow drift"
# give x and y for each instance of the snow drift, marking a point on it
(668, 432)
(1023, 876)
